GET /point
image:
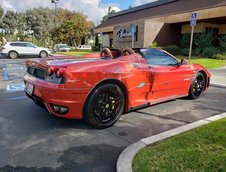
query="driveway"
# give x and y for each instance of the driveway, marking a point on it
(33, 140)
(218, 76)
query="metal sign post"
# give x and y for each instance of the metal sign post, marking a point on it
(193, 23)
(55, 2)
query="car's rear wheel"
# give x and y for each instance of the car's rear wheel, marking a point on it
(197, 86)
(104, 106)
(43, 54)
(13, 55)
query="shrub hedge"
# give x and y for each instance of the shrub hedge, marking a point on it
(172, 49)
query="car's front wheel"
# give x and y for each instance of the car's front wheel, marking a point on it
(104, 106)
(43, 54)
(197, 86)
(13, 54)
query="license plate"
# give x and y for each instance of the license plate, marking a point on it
(30, 89)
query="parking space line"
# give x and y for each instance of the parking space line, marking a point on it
(17, 98)
(6, 76)
(186, 122)
(3, 65)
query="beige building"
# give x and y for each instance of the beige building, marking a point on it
(163, 21)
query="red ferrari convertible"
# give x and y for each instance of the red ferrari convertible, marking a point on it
(101, 87)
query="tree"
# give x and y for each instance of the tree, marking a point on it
(9, 22)
(40, 21)
(110, 12)
(1, 12)
(21, 28)
(90, 27)
(71, 30)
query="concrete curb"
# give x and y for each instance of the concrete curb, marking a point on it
(124, 162)
(218, 85)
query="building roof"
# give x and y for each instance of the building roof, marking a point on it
(159, 8)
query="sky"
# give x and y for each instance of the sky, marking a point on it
(93, 9)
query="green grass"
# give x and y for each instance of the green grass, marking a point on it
(206, 62)
(76, 53)
(201, 149)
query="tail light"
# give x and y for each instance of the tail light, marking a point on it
(27, 63)
(51, 70)
(59, 72)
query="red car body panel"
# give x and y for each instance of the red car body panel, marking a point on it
(141, 83)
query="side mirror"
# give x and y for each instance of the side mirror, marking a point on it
(183, 62)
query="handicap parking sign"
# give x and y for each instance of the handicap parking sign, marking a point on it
(15, 87)
(193, 21)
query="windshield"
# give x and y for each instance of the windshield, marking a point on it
(157, 57)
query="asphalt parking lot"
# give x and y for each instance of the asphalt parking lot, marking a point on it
(32, 140)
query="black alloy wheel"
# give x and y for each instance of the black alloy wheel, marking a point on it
(197, 86)
(104, 106)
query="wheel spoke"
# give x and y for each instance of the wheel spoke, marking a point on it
(112, 114)
(98, 106)
(117, 100)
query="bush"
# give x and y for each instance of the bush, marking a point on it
(219, 56)
(185, 40)
(210, 52)
(222, 41)
(185, 52)
(96, 48)
(154, 45)
(172, 49)
(204, 41)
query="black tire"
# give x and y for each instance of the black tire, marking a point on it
(43, 54)
(104, 106)
(13, 55)
(197, 86)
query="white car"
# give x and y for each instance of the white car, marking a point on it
(16, 49)
(61, 48)
(84, 47)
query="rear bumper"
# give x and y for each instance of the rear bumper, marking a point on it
(46, 94)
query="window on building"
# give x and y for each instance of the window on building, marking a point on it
(111, 42)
